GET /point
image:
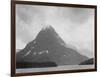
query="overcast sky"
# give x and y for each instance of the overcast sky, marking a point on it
(74, 25)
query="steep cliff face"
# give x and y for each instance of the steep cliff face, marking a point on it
(49, 47)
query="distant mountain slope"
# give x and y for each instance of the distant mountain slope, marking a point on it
(18, 50)
(48, 46)
(88, 62)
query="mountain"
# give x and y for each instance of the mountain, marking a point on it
(87, 62)
(49, 47)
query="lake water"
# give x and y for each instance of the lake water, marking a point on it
(58, 68)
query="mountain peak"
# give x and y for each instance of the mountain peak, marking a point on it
(48, 33)
(48, 27)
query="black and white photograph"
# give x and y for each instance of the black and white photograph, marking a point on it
(54, 38)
